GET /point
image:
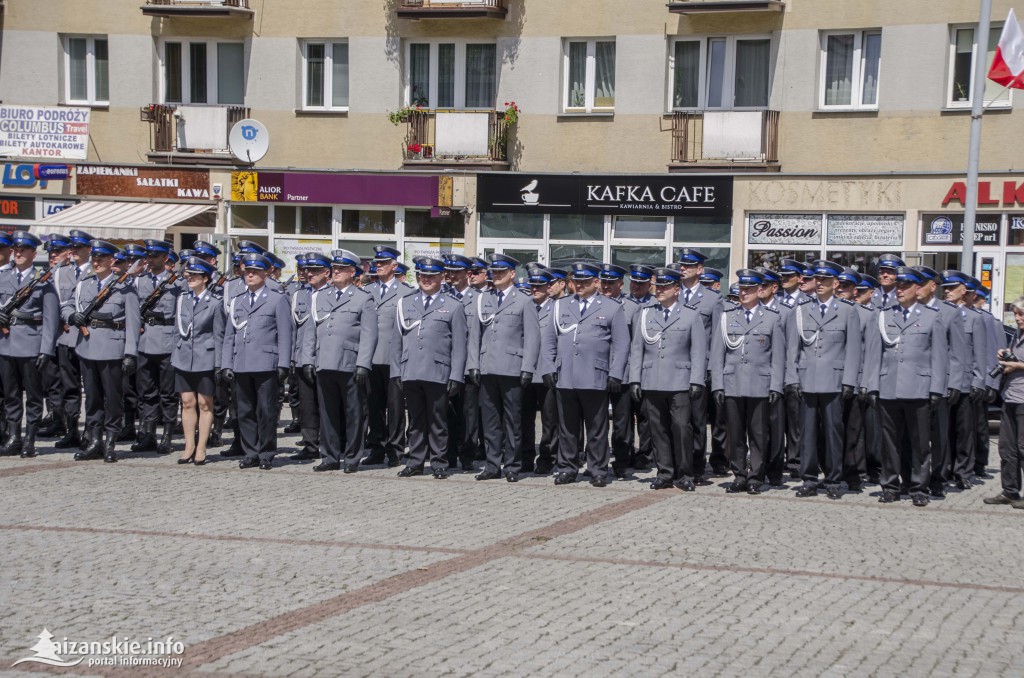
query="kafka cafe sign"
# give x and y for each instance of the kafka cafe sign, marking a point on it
(605, 194)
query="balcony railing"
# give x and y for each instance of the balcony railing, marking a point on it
(456, 137)
(452, 9)
(732, 139)
(706, 6)
(197, 8)
(176, 128)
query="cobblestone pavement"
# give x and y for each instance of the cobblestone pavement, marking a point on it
(290, 573)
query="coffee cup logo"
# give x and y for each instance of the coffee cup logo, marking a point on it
(530, 197)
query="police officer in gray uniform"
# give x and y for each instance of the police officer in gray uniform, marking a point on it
(256, 355)
(640, 278)
(997, 340)
(768, 294)
(667, 365)
(339, 341)
(907, 371)
(885, 294)
(824, 352)
(748, 361)
(54, 423)
(428, 355)
(585, 359)
(65, 280)
(107, 347)
(612, 278)
(27, 345)
(868, 453)
(504, 345)
(314, 272)
(537, 397)
(465, 433)
(790, 274)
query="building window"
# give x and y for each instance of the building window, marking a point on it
(325, 75)
(303, 219)
(203, 72)
(720, 73)
(452, 75)
(589, 76)
(86, 71)
(963, 50)
(849, 72)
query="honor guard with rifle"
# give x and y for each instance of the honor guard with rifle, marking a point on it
(53, 424)
(128, 255)
(65, 281)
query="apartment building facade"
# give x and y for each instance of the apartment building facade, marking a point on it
(753, 129)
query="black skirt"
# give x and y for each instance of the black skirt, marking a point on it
(194, 382)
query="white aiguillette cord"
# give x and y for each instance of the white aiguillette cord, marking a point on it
(316, 317)
(480, 311)
(231, 315)
(643, 328)
(800, 328)
(554, 319)
(400, 317)
(885, 336)
(295, 317)
(729, 344)
(177, 312)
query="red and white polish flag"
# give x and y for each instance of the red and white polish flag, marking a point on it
(1008, 65)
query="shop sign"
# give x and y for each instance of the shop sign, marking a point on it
(24, 176)
(838, 194)
(39, 132)
(287, 248)
(1016, 234)
(948, 229)
(884, 230)
(18, 209)
(605, 194)
(437, 249)
(784, 229)
(51, 207)
(1010, 192)
(143, 182)
(339, 189)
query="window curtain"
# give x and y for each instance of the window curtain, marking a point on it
(314, 74)
(872, 58)
(577, 75)
(604, 85)
(231, 73)
(102, 61)
(752, 73)
(78, 79)
(838, 70)
(172, 72)
(687, 74)
(716, 72)
(419, 75)
(446, 76)
(339, 75)
(197, 72)
(481, 70)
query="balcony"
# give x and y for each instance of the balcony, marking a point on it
(720, 6)
(198, 8)
(452, 9)
(729, 141)
(456, 140)
(191, 135)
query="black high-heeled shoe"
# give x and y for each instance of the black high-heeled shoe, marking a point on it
(189, 460)
(200, 462)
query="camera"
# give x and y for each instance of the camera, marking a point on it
(1007, 357)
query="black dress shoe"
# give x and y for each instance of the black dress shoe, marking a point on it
(1000, 499)
(86, 455)
(661, 484)
(937, 491)
(889, 497)
(440, 474)
(807, 490)
(873, 479)
(306, 455)
(235, 450)
(776, 481)
(326, 466)
(754, 488)
(963, 484)
(542, 468)
(702, 482)
(293, 427)
(599, 481)
(249, 463)
(350, 468)
(719, 472)
(410, 471)
(266, 465)
(565, 478)
(512, 476)
(685, 485)
(736, 487)
(854, 486)
(834, 493)
(920, 500)
(488, 475)
(620, 472)
(375, 458)
(983, 474)
(467, 466)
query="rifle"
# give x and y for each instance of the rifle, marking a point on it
(155, 295)
(19, 298)
(220, 281)
(103, 294)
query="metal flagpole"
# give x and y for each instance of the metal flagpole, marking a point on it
(974, 154)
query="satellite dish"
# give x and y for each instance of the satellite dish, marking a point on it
(249, 140)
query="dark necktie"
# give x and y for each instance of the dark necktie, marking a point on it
(748, 315)
(19, 278)
(252, 299)
(195, 300)
(583, 307)
(383, 291)
(686, 297)
(666, 314)
(824, 307)
(78, 273)
(538, 308)
(99, 285)
(885, 299)
(458, 295)
(906, 314)
(501, 298)
(426, 304)
(337, 295)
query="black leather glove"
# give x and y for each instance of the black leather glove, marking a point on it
(309, 374)
(398, 383)
(719, 397)
(872, 398)
(990, 395)
(473, 377)
(636, 393)
(976, 394)
(227, 374)
(953, 396)
(773, 397)
(551, 380)
(793, 390)
(41, 360)
(282, 374)
(696, 391)
(77, 320)
(453, 388)
(5, 319)
(128, 365)
(361, 377)
(614, 385)
(933, 401)
(847, 394)
(525, 379)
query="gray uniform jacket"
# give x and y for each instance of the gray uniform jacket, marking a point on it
(300, 302)
(35, 326)
(668, 355)
(911, 360)
(868, 315)
(546, 327)
(65, 279)
(158, 339)
(429, 345)
(342, 333)
(959, 346)
(748, 360)
(258, 338)
(881, 300)
(503, 340)
(586, 351)
(823, 353)
(199, 332)
(707, 303)
(386, 317)
(974, 373)
(121, 306)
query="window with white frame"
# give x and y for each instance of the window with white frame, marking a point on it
(86, 70)
(850, 63)
(963, 50)
(589, 67)
(324, 75)
(203, 72)
(730, 72)
(451, 75)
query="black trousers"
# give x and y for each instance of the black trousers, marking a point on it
(428, 423)
(223, 398)
(131, 394)
(341, 416)
(821, 414)
(622, 428)
(294, 396)
(854, 455)
(385, 412)
(747, 426)
(20, 376)
(1011, 448)
(963, 441)
(582, 414)
(776, 441)
(70, 379)
(793, 429)
(905, 445)
(256, 396)
(309, 410)
(158, 399)
(539, 398)
(719, 440)
(501, 410)
(52, 391)
(669, 414)
(104, 400)
(699, 431)
(940, 444)
(981, 441)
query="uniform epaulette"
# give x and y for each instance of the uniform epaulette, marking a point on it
(408, 285)
(692, 307)
(869, 306)
(805, 300)
(848, 302)
(615, 299)
(930, 308)
(950, 303)
(730, 309)
(771, 310)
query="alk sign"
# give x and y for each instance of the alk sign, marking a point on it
(1012, 194)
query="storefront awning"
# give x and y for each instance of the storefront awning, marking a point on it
(120, 220)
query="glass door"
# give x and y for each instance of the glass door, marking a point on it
(524, 254)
